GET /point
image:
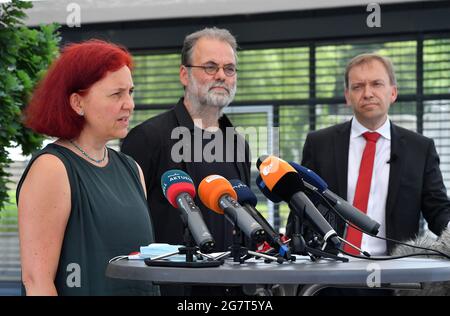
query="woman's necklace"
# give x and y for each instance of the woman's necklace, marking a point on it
(86, 155)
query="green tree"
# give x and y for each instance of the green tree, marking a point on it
(25, 54)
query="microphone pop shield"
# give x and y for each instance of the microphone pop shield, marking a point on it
(267, 193)
(175, 182)
(244, 194)
(310, 176)
(212, 188)
(260, 160)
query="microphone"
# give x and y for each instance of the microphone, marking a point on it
(264, 190)
(282, 179)
(313, 182)
(248, 200)
(179, 190)
(217, 194)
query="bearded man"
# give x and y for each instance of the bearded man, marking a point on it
(194, 136)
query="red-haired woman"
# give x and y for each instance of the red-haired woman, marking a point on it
(81, 203)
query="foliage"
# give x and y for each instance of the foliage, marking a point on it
(24, 56)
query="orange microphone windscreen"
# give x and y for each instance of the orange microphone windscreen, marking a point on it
(272, 169)
(212, 188)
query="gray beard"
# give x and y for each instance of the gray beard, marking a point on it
(204, 102)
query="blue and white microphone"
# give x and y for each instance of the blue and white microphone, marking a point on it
(313, 182)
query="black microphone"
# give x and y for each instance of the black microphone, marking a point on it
(179, 190)
(248, 200)
(349, 212)
(282, 179)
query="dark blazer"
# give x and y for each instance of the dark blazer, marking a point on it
(415, 180)
(150, 145)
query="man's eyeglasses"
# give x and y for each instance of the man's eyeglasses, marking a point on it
(229, 70)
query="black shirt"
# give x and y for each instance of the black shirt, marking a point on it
(219, 166)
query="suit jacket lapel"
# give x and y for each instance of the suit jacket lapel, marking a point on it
(398, 152)
(341, 147)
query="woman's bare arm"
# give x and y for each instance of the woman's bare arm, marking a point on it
(43, 211)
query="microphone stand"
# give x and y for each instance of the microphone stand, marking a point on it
(190, 250)
(241, 253)
(299, 246)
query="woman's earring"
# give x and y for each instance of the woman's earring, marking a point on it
(81, 112)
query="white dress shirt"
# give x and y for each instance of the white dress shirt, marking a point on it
(376, 208)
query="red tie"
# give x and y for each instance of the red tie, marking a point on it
(362, 188)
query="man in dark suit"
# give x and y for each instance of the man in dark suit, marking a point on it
(386, 171)
(404, 179)
(194, 136)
